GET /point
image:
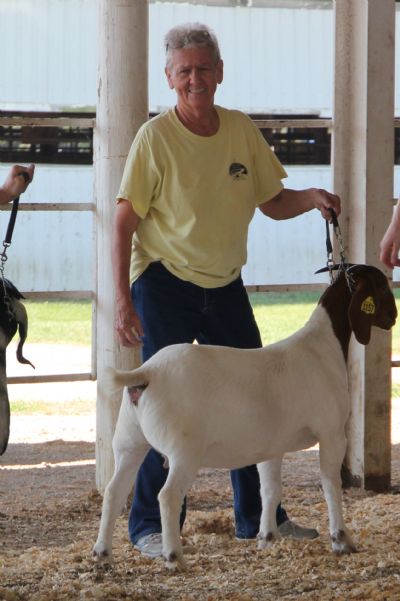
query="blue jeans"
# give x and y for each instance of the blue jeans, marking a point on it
(174, 311)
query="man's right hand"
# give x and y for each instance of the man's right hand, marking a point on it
(128, 326)
(127, 323)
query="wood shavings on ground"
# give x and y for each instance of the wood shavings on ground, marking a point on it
(49, 516)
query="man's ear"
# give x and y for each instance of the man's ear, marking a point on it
(167, 71)
(362, 311)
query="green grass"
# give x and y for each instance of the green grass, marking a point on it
(54, 322)
(395, 390)
(278, 315)
(73, 407)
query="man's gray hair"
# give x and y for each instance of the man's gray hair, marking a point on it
(191, 35)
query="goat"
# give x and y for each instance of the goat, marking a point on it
(13, 316)
(220, 407)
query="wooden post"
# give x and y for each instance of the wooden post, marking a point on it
(363, 177)
(122, 107)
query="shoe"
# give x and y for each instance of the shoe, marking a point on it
(150, 545)
(293, 530)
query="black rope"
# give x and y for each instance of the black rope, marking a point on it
(11, 223)
(329, 247)
(13, 216)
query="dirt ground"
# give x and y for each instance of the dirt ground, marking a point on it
(49, 515)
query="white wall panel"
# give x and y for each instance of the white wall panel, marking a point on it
(48, 53)
(52, 250)
(289, 252)
(275, 59)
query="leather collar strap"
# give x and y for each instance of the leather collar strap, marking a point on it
(11, 223)
(13, 216)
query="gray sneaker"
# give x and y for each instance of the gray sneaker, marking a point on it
(150, 545)
(293, 530)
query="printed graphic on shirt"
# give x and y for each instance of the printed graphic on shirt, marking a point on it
(238, 171)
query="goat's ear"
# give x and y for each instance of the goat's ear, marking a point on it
(362, 311)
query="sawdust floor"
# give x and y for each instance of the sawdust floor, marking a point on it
(49, 515)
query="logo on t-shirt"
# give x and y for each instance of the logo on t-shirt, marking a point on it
(238, 171)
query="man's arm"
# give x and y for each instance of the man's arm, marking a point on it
(291, 203)
(127, 322)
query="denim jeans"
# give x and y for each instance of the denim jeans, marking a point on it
(174, 311)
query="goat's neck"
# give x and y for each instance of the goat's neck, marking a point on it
(336, 300)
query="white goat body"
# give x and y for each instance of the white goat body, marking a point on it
(223, 404)
(210, 406)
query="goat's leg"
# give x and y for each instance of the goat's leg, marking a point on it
(331, 455)
(127, 464)
(271, 493)
(171, 496)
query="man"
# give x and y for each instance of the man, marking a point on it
(192, 181)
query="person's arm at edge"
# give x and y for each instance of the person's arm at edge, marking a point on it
(390, 243)
(127, 322)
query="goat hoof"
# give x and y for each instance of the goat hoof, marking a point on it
(102, 555)
(342, 543)
(173, 561)
(344, 549)
(265, 541)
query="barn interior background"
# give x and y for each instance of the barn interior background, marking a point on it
(278, 64)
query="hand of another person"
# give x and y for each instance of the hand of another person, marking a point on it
(17, 181)
(390, 243)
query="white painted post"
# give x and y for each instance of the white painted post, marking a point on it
(122, 107)
(363, 177)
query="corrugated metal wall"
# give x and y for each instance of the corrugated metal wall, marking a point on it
(275, 59)
(48, 54)
(52, 250)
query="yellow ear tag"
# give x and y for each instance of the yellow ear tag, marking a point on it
(368, 306)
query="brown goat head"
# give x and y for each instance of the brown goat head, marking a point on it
(372, 302)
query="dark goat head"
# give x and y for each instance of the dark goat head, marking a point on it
(13, 317)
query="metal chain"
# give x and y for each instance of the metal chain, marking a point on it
(3, 259)
(338, 234)
(339, 238)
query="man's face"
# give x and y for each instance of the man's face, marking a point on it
(194, 75)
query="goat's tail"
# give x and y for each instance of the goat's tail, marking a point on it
(115, 379)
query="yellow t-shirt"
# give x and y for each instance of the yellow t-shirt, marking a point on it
(196, 195)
